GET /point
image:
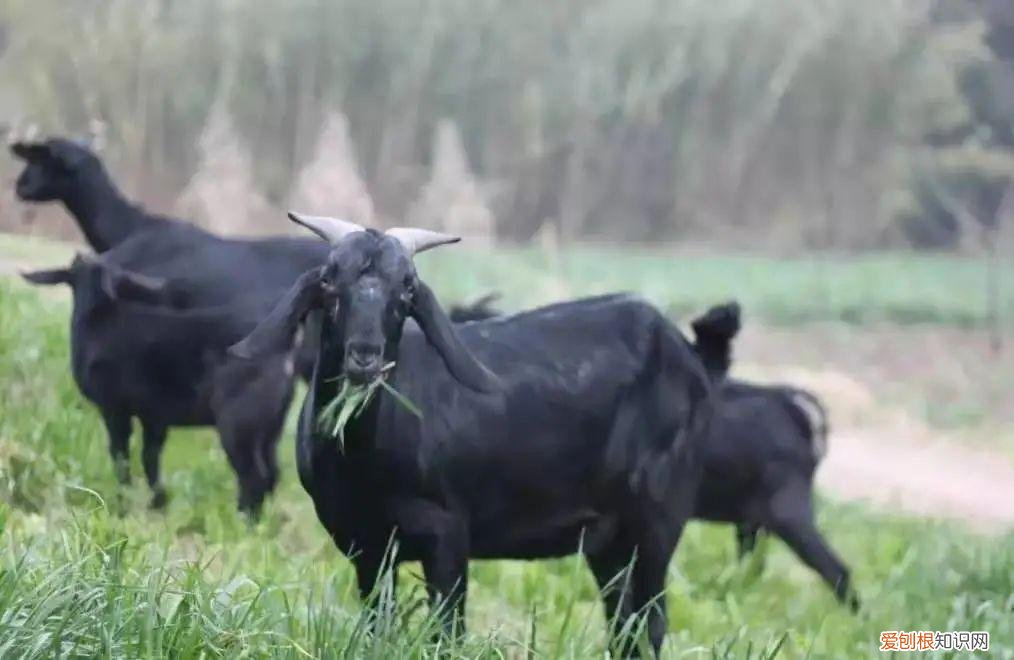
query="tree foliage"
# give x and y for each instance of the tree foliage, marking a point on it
(799, 122)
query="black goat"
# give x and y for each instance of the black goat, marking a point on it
(763, 448)
(568, 428)
(764, 445)
(199, 268)
(133, 357)
(203, 269)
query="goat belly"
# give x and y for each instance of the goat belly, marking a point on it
(97, 379)
(538, 535)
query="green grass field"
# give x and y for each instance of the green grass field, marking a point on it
(87, 571)
(900, 288)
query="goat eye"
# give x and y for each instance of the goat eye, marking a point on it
(327, 282)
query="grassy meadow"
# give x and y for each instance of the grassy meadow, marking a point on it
(87, 571)
(896, 287)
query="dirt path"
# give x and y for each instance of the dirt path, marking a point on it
(931, 479)
(885, 456)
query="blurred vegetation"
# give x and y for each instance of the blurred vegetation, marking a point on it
(798, 123)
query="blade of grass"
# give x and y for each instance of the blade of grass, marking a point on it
(402, 399)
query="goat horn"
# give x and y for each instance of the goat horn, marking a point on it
(419, 240)
(17, 134)
(331, 230)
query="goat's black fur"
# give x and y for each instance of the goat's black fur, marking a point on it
(134, 357)
(764, 445)
(572, 427)
(201, 269)
(763, 448)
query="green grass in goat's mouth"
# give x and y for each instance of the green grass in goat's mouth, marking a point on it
(352, 399)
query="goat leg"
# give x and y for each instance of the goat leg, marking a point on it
(118, 428)
(445, 565)
(151, 456)
(377, 578)
(792, 520)
(746, 538)
(610, 565)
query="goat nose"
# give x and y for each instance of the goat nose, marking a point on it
(364, 355)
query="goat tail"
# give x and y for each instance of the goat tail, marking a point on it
(477, 310)
(714, 332)
(815, 417)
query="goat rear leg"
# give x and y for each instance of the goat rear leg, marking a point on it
(792, 520)
(654, 552)
(241, 449)
(118, 428)
(611, 567)
(151, 457)
(269, 461)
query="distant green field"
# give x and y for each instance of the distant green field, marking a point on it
(882, 287)
(892, 287)
(85, 572)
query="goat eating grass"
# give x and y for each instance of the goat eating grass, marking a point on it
(567, 429)
(352, 399)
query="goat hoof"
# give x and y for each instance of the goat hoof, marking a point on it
(853, 603)
(158, 500)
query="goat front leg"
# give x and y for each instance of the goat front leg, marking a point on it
(441, 537)
(118, 429)
(377, 578)
(241, 449)
(746, 538)
(445, 566)
(151, 457)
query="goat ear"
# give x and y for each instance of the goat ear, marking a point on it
(277, 331)
(135, 287)
(29, 151)
(54, 276)
(440, 333)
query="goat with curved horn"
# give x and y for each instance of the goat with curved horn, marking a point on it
(419, 240)
(331, 230)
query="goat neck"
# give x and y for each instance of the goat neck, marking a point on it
(104, 215)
